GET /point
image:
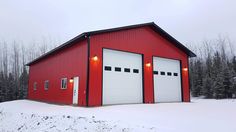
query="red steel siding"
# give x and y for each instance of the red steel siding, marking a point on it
(69, 62)
(139, 40)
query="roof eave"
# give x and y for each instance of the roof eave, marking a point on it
(180, 45)
(53, 51)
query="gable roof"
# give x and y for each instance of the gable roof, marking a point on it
(85, 34)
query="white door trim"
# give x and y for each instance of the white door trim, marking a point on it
(75, 90)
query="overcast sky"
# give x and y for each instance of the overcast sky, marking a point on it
(189, 21)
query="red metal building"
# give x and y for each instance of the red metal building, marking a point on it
(132, 64)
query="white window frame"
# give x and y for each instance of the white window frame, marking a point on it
(64, 79)
(35, 86)
(46, 84)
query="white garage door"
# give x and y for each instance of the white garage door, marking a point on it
(167, 80)
(122, 77)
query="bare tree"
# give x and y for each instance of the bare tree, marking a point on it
(1, 56)
(15, 60)
(43, 46)
(23, 58)
(5, 59)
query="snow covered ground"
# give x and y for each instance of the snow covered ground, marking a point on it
(200, 115)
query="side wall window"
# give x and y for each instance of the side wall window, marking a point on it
(46, 85)
(35, 86)
(63, 83)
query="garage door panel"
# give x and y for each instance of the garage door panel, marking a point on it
(167, 87)
(121, 59)
(120, 83)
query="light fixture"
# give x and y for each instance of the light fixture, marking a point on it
(95, 58)
(148, 64)
(185, 69)
(71, 80)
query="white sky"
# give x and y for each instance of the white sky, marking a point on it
(189, 21)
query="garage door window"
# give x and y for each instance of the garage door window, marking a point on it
(118, 69)
(135, 71)
(155, 72)
(163, 73)
(107, 68)
(168, 73)
(175, 74)
(127, 70)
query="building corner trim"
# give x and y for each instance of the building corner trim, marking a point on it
(88, 64)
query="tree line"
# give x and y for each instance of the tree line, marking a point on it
(13, 70)
(213, 72)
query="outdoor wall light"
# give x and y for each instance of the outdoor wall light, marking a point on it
(95, 58)
(148, 65)
(71, 80)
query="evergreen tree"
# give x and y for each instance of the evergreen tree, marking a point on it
(10, 89)
(227, 83)
(1, 87)
(218, 87)
(208, 87)
(234, 64)
(218, 91)
(198, 83)
(208, 66)
(234, 88)
(23, 84)
(192, 76)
